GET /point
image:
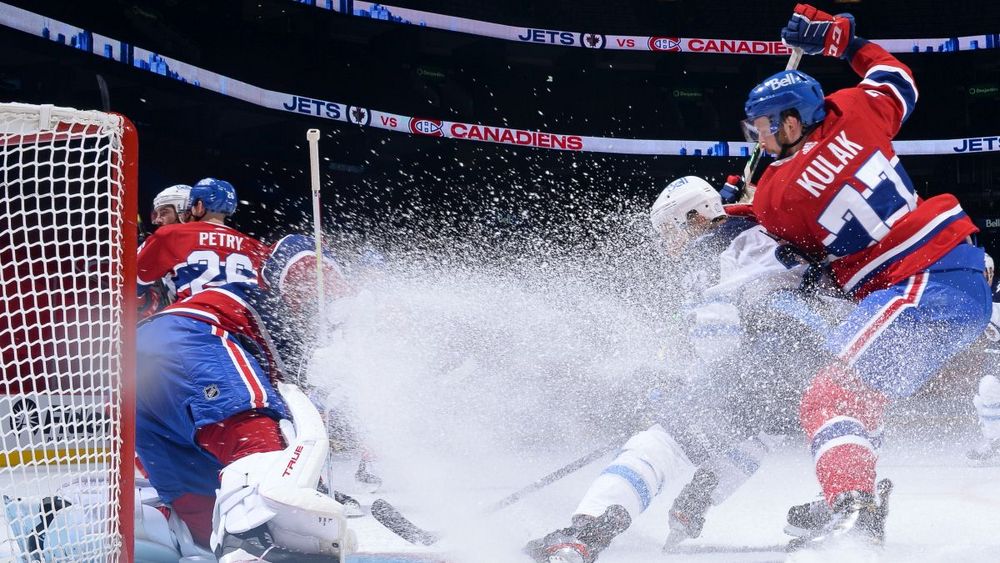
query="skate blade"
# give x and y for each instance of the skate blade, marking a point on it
(809, 542)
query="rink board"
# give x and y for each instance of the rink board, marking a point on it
(395, 558)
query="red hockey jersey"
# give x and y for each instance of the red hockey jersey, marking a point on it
(845, 197)
(191, 257)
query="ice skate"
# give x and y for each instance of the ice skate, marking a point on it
(987, 453)
(854, 515)
(365, 476)
(352, 508)
(583, 541)
(257, 545)
(687, 515)
(805, 520)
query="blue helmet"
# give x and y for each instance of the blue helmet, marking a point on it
(218, 196)
(788, 89)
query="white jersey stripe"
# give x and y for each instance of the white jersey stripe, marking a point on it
(903, 246)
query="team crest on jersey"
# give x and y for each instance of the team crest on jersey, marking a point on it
(212, 392)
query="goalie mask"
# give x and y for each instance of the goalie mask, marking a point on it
(684, 209)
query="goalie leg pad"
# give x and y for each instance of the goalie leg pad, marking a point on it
(636, 474)
(279, 489)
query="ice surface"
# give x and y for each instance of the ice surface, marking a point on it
(941, 510)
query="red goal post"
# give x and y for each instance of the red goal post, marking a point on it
(68, 230)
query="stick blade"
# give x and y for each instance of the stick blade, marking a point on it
(387, 515)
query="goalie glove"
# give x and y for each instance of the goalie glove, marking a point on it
(817, 32)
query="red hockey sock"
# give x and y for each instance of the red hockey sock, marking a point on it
(196, 512)
(240, 435)
(846, 468)
(837, 413)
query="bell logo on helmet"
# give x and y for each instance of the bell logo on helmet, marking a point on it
(787, 80)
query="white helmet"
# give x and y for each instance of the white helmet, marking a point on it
(179, 196)
(989, 268)
(682, 197)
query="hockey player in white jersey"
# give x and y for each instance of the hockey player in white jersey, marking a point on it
(987, 399)
(693, 225)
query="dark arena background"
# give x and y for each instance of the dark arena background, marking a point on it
(487, 170)
(283, 46)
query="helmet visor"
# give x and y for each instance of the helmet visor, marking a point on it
(757, 128)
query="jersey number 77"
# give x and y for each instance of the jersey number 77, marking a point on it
(857, 219)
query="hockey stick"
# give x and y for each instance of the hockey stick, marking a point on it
(390, 517)
(755, 154)
(312, 136)
(554, 476)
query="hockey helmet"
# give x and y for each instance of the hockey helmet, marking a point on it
(788, 89)
(178, 195)
(682, 199)
(218, 196)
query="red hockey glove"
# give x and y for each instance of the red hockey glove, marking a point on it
(817, 32)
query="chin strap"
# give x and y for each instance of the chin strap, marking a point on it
(786, 147)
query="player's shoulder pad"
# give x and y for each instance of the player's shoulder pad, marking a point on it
(289, 252)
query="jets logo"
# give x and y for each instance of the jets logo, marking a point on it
(424, 126)
(359, 115)
(671, 44)
(593, 40)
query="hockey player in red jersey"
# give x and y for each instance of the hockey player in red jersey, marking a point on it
(202, 252)
(839, 192)
(209, 372)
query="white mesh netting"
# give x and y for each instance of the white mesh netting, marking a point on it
(61, 330)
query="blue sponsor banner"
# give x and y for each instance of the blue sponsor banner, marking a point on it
(148, 61)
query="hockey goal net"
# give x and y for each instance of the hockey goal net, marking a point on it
(67, 323)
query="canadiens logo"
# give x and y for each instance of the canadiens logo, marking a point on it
(593, 40)
(424, 126)
(359, 115)
(672, 44)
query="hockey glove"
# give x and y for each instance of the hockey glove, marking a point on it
(817, 32)
(732, 190)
